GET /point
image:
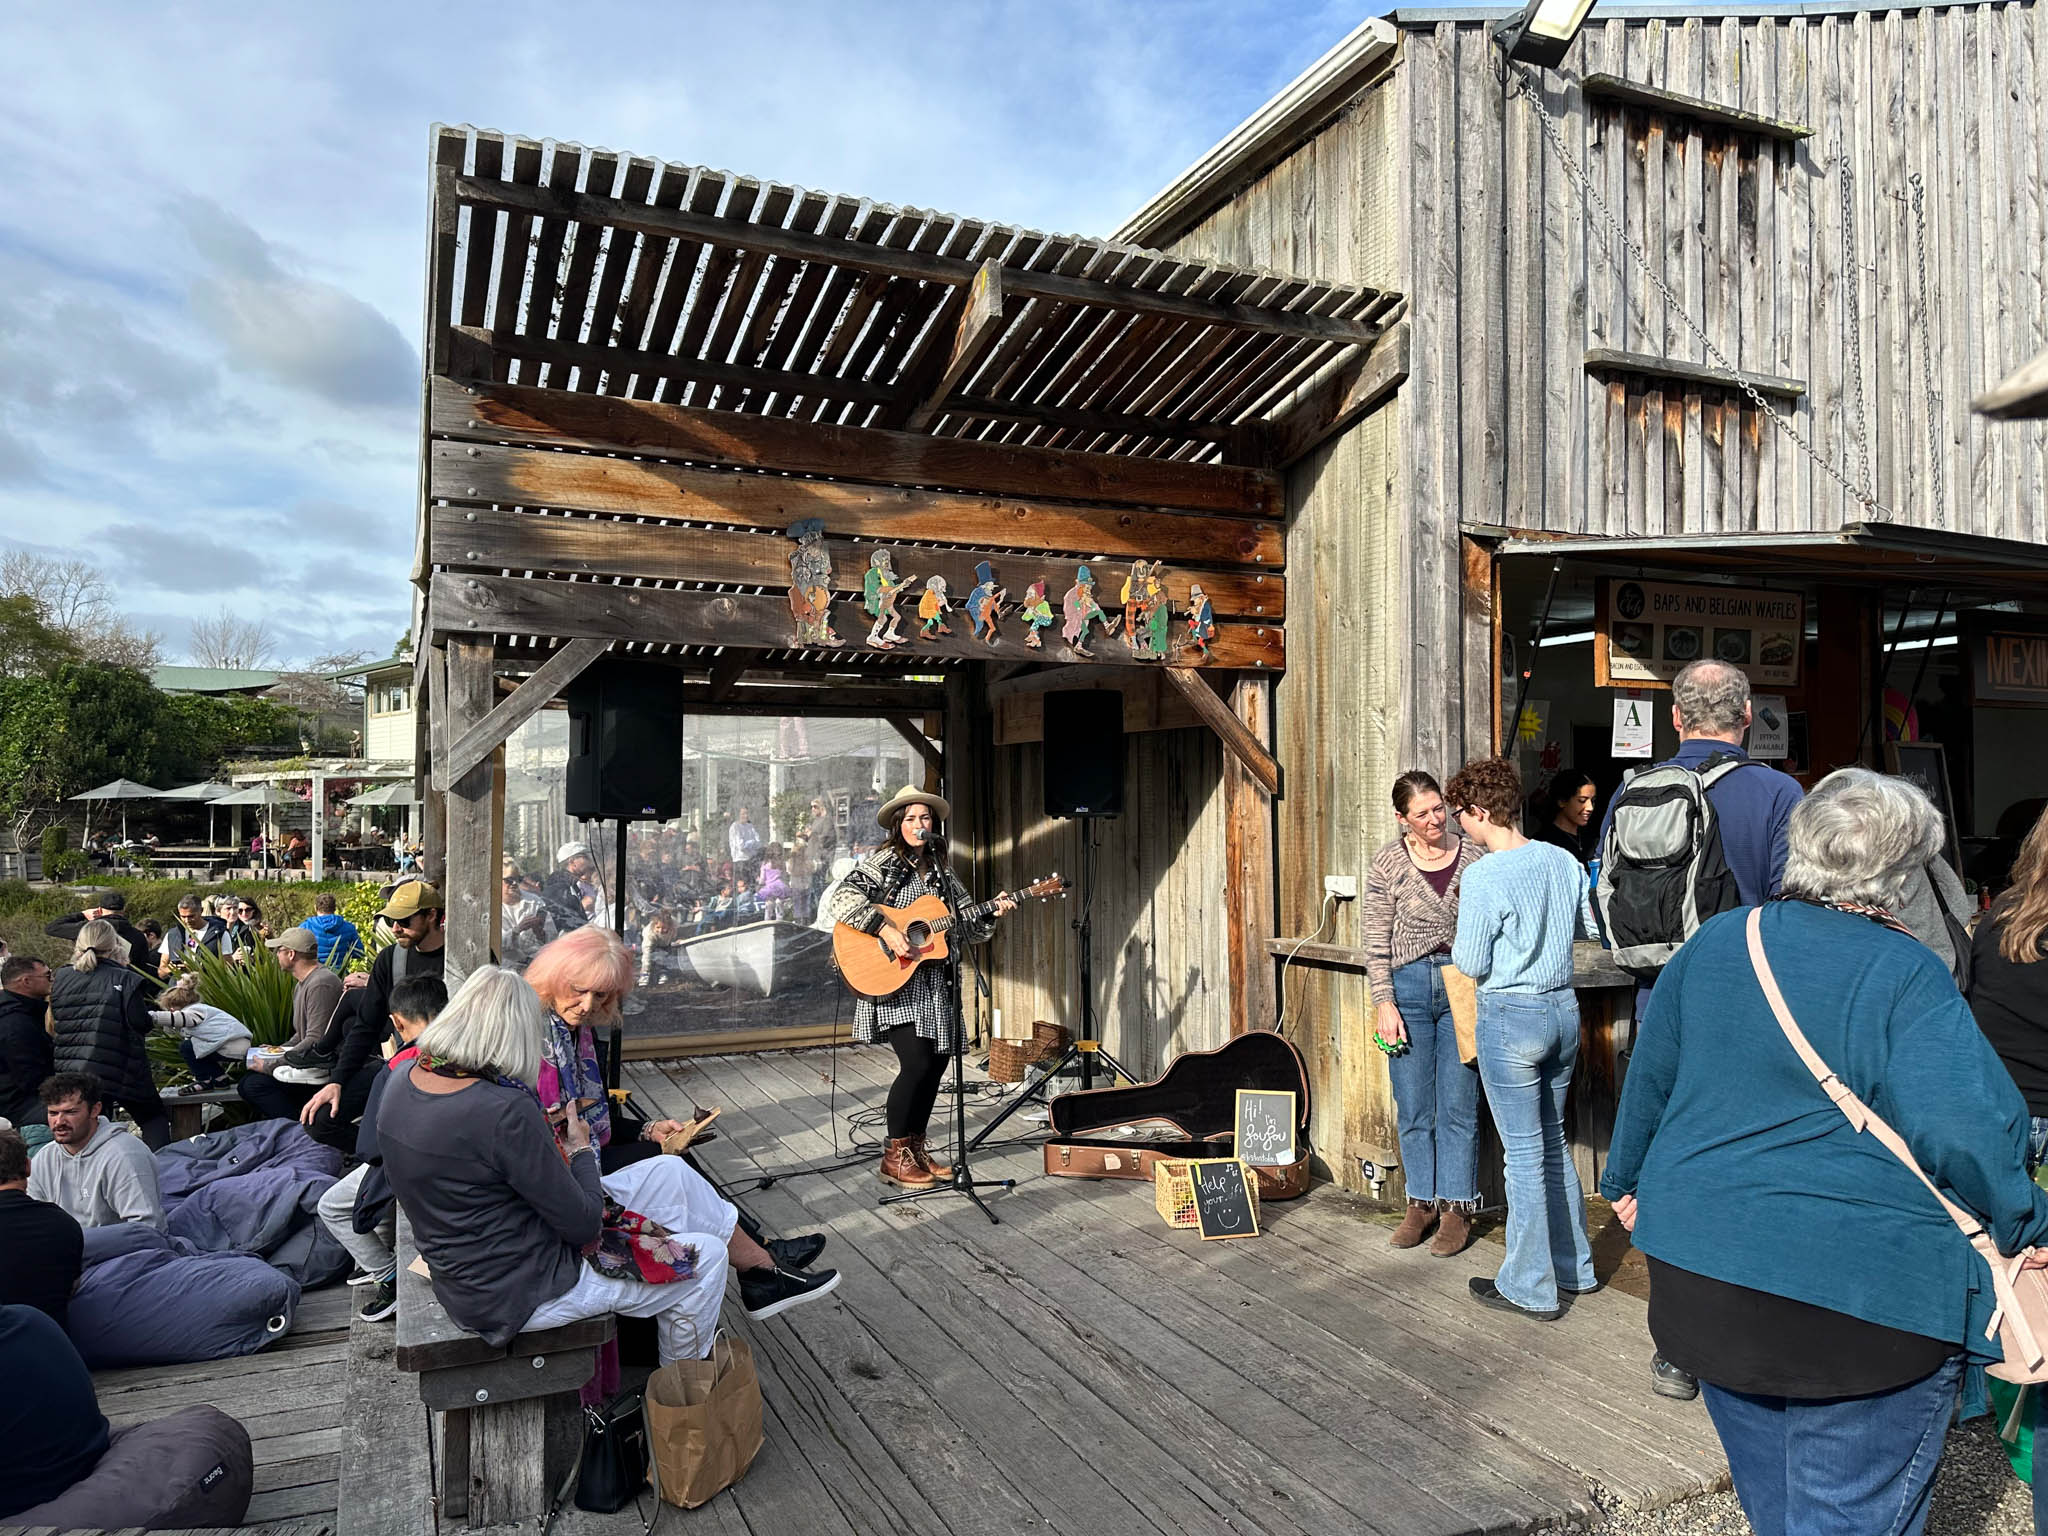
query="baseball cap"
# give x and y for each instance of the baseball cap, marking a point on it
(569, 851)
(110, 901)
(410, 899)
(299, 940)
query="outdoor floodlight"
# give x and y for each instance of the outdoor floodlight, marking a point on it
(1543, 31)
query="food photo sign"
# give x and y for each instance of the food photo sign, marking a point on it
(1645, 631)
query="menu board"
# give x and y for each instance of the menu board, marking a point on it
(1645, 631)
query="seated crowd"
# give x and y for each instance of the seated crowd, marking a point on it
(534, 1198)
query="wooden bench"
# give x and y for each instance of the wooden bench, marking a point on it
(507, 1419)
(188, 1110)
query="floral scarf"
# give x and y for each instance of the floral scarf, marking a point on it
(569, 1070)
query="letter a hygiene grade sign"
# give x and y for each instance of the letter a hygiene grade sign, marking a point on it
(1644, 631)
(1633, 727)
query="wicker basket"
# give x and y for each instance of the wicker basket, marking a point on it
(1010, 1060)
(1173, 1193)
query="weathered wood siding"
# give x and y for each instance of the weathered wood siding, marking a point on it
(1331, 209)
(1161, 950)
(1799, 259)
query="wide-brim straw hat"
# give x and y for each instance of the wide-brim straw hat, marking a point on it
(910, 794)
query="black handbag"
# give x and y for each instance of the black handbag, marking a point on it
(613, 1469)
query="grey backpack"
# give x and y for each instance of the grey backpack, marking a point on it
(1662, 872)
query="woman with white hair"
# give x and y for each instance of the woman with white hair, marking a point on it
(1821, 1294)
(518, 1235)
(100, 1019)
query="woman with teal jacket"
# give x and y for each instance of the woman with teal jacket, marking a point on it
(1825, 1300)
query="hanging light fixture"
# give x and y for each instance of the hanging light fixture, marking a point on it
(1542, 32)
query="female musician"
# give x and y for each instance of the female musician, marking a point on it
(918, 1022)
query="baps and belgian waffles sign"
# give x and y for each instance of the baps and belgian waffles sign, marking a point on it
(1646, 630)
(2008, 659)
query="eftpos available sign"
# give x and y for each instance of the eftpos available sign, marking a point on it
(2008, 659)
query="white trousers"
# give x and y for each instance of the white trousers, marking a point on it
(371, 1250)
(670, 1191)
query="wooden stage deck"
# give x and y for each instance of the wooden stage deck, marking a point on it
(1082, 1368)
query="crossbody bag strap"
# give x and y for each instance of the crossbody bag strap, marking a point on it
(1859, 1114)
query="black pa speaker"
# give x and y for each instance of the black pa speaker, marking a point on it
(1084, 753)
(625, 743)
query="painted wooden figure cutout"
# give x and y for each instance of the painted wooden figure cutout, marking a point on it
(1156, 611)
(985, 604)
(1132, 596)
(882, 588)
(1037, 616)
(932, 608)
(1082, 610)
(1201, 620)
(810, 585)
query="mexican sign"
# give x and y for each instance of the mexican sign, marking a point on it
(2008, 659)
(1646, 630)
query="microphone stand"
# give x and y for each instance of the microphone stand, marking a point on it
(963, 1181)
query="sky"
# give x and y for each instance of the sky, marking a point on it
(212, 247)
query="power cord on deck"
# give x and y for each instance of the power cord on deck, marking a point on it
(1329, 911)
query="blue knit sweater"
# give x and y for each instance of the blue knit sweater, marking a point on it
(1745, 1172)
(1518, 912)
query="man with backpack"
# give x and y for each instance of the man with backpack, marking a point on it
(1698, 834)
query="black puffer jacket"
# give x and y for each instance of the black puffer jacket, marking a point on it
(24, 1057)
(102, 1019)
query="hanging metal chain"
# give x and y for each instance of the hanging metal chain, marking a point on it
(1853, 278)
(1936, 464)
(1591, 196)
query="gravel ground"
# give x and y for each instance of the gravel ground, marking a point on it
(1975, 1494)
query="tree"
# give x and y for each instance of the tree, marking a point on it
(29, 644)
(315, 689)
(75, 601)
(231, 643)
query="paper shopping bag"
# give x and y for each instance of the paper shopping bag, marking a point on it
(704, 1422)
(1462, 992)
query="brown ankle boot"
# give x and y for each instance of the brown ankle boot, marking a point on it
(1453, 1230)
(1415, 1225)
(901, 1167)
(939, 1171)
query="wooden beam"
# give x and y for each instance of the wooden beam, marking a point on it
(607, 423)
(1244, 745)
(469, 890)
(906, 727)
(979, 330)
(955, 271)
(491, 539)
(516, 708)
(1107, 423)
(464, 606)
(1643, 365)
(1340, 399)
(727, 670)
(1250, 888)
(1604, 87)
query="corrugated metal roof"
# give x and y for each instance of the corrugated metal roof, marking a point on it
(213, 679)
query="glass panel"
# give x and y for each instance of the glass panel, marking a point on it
(723, 906)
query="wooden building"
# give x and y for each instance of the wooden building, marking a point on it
(1636, 283)
(1384, 372)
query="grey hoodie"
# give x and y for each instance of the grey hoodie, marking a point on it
(111, 1181)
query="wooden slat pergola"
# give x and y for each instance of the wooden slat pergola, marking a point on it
(641, 375)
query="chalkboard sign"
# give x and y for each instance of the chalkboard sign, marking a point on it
(1265, 1127)
(1926, 764)
(1223, 1198)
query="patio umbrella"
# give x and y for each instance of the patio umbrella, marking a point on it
(123, 790)
(210, 791)
(387, 794)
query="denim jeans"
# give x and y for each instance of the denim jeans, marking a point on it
(1528, 1044)
(207, 1071)
(1436, 1096)
(1861, 1465)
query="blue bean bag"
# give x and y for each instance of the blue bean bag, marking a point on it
(146, 1298)
(189, 1470)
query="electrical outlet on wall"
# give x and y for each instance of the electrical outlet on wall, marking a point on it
(1343, 887)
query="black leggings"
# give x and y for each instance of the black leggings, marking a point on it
(920, 1067)
(152, 1120)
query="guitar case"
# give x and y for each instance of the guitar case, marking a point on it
(1196, 1100)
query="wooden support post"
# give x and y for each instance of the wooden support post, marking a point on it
(1480, 625)
(508, 1464)
(485, 736)
(727, 670)
(979, 328)
(934, 756)
(469, 890)
(433, 802)
(1338, 400)
(1246, 748)
(1248, 886)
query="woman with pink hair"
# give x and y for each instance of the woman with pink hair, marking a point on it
(582, 979)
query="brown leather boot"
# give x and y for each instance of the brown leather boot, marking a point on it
(1453, 1230)
(1415, 1225)
(922, 1152)
(901, 1167)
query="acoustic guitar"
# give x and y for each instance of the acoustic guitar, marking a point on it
(868, 967)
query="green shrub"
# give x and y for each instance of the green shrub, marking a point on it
(56, 838)
(255, 989)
